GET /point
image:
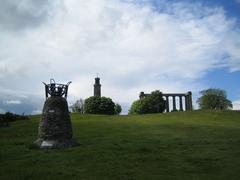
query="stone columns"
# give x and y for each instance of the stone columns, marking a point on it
(187, 96)
(188, 101)
(181, 103)
(174, 103)
(167, 104)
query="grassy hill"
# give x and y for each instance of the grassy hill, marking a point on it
(175, 146)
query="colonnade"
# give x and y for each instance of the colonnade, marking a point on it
(184, 99)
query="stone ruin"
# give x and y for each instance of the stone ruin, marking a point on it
(184, 99)
(55, 128)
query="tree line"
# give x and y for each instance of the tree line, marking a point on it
(212, 99)
(8, 117)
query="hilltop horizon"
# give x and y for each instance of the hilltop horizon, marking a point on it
(134, 45)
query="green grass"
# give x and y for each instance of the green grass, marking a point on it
(175, 146)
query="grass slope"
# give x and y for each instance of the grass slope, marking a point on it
(180, 146)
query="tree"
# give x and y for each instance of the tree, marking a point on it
(214, 99)
(152, 103)
(136, 107)
(99, 105)
(118, 109)
(78, 106)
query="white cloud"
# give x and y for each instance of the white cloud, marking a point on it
(133, 47)
(37, 111)
(20, 102)
(16, 102)
(236, 105)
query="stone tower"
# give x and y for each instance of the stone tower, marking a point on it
(97, 87)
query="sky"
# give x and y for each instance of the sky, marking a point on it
(173, 46)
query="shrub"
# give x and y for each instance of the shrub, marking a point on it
(152, 103)
(99, 105)
(118, 109)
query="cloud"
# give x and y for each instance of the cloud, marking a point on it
(37, 111)
(20, 102)
(20, 14)
(16, 102)
(236, 105)
(133, 46)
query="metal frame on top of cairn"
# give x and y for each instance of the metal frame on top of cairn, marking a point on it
(55, 89)
(187, 96)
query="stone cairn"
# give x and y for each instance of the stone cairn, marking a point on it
(55, 128)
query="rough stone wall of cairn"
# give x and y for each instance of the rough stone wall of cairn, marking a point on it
(55, 128)
(55, 123)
